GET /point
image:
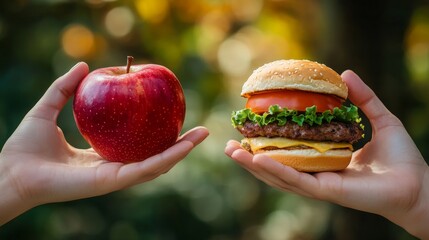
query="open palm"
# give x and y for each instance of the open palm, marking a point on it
(384, 177)
(40, 166)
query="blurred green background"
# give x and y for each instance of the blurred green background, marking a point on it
(212, 46)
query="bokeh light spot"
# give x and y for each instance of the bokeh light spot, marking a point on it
(247, 10)
(119, 21)
(77, 41)
(417, 47)
(203, 197)
(234, 57)
(278, 226)
(153, 11)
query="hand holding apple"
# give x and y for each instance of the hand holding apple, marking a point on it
(130, 113)
(38, 165)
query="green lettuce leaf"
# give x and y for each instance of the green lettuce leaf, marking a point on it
(279, 115)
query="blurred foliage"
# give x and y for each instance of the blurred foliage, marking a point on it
(212, 46)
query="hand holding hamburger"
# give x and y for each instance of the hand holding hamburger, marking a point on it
(295, 114)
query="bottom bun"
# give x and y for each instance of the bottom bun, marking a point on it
(311, 160)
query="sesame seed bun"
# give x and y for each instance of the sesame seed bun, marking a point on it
(310, 160)
(302, 75)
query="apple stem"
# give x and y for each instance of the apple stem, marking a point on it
(129, 62)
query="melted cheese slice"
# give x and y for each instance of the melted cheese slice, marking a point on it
(262, 142)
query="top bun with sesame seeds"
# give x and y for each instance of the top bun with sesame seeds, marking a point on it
(301, 75)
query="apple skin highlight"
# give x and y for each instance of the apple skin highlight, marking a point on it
(128, 115)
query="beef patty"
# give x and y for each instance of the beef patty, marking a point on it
(333, 131)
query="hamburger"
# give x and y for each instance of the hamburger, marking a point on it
(296, 114)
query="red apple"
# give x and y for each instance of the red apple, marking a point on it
(130, 113)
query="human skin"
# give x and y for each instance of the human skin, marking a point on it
(388, 176)
(38, 166)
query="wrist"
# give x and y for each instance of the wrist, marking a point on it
(416, 219)
(11, 202)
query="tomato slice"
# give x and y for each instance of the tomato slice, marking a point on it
(292, 99)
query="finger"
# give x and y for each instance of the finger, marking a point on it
(254, 164)
(245, 160)
(231, 146)
(283, 177)
(195, 135)
(234, 150)
(57, 95)
(242, 157)
(112, 176)
(134, 173)
(364, 98)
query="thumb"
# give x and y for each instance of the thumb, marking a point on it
(57, 95)
(365, 99)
